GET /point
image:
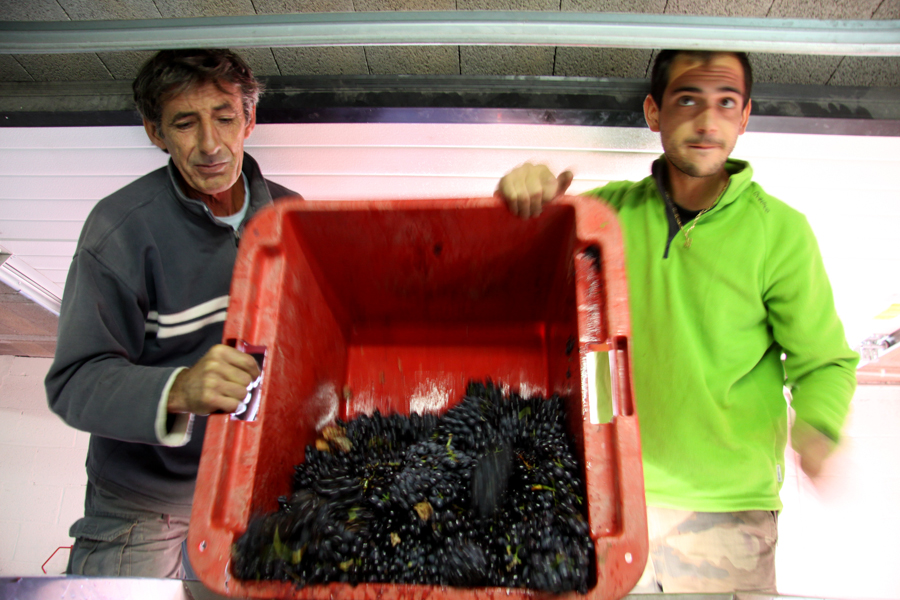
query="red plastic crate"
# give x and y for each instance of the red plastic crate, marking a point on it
(395, 306)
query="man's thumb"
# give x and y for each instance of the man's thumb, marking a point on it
(564, 180)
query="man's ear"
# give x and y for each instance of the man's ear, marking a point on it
(745, 116)
(155, 135)
(251, 123)
(651, 113)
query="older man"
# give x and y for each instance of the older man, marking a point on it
(139, 361)
(723, 280)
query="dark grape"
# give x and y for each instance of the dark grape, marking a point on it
(490, 493)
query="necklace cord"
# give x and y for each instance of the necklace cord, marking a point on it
(687, 234)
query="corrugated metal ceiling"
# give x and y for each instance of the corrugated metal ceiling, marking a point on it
(451, 60)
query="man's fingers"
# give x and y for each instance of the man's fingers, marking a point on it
(527, 188)
(506, 189)
(228, 381)
(218, 382)
(563, 182)
(231, 357)
(537, 188)
(535, 202)
(218, 395)
(213, 370)
(518, 199)
(224, 404)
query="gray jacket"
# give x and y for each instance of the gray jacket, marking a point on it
(146, 293)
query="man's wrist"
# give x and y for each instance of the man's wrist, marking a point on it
(178, 432)
(174, 393)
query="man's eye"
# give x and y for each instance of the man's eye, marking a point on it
(728, 103)
(686, 101)
(183, 125)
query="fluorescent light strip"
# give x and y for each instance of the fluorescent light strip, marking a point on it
(19, 276)
(876, 37)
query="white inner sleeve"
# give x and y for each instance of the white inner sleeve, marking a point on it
(180, 433)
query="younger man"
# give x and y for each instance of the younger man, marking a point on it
(723, 280)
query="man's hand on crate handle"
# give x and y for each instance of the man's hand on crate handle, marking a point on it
(812, 445)
(527, 188)
(218, 382)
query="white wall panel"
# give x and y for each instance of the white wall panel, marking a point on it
(497, 136)
(41, 186)
(87, 138)
(27, 209)
(796, 145)
(846, 185)
(816, 199)
(43, 249)
(348, 161)
(844, 172)
(129, 162)
(40, 230)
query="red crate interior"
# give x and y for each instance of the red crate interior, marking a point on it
(396, 306)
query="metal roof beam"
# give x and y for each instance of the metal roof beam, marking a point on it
(834, 110)
(614, 30)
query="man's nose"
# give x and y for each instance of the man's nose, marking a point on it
(208, 141)
(705, 120)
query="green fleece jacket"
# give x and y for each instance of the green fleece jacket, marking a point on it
(709, 326)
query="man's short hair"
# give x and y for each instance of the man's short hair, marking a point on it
(172, 72)
(659, 78)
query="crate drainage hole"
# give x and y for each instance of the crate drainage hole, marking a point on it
(628, 557)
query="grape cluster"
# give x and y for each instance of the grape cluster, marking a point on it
(488, 494)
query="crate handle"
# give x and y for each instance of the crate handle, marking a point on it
(590, 295)
(609, 384)
(248, 409)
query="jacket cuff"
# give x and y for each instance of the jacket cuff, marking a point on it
(179, 433)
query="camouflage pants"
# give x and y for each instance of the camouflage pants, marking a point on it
(709, 552)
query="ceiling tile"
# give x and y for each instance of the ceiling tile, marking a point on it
(125, 65)
(32, 10)
(281, 7)
(602, 62)
(653, 55)
(817, 9)
(11, 70)
(721, 8)
(868, 71)
(64, 67)
(793, 68)
(261, 61)
(96, 10)
(345, 60)
(630, 6)
(209, 8)
(889, 9)
(413, 60)
(399, 5)
(506, 60)
(507, 5)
